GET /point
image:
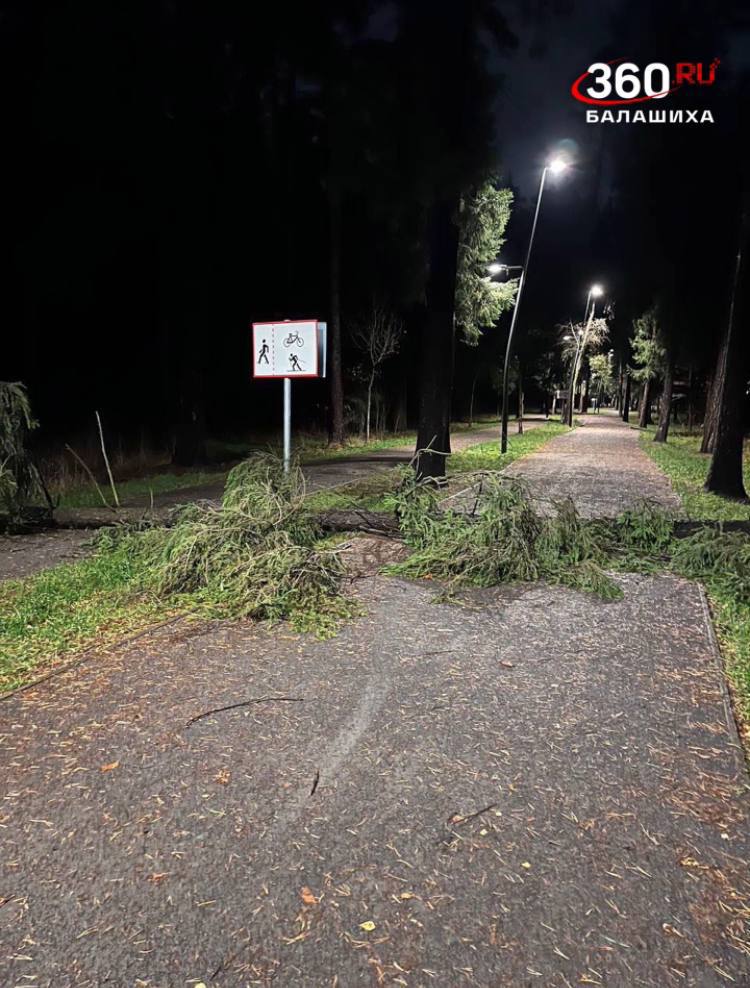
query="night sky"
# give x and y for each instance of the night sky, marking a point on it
(164, 189)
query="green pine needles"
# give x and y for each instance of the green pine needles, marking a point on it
(258, 555)
(19, 479)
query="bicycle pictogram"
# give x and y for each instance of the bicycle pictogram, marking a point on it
(294, 338)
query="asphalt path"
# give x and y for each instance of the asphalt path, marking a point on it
(536, 788)
(532, 787)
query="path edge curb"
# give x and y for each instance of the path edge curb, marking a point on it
(741, 757)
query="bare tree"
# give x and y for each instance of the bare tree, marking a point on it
(377, 336)
(578, 339)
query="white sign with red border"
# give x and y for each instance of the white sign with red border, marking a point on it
(287, 349)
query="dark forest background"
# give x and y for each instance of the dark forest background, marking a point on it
(176, 170)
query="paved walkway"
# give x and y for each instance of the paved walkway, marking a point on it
(600, 465)
(537, 788)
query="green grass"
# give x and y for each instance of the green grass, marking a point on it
(312, 449)
(68, 608)
(375, 493)
(140, 488)
(681, 460)
(732, 622)
(487, 456)
(369, 494)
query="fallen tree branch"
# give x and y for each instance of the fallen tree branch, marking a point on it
(354, 520)
(245, 703)
(683, 529)
(383, 523)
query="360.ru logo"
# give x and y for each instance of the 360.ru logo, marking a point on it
(620, 82)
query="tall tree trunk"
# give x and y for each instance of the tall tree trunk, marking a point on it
(711, 415)
(519, 415)
(665, 403)
(626, 399)
(644, 417)
(725, 471)
(370, 384)
(584, 394)
(400, 415)
(691, 400)
(190, 424)
(437, 342)
(618, 396)
(471, 400)
(335, 376)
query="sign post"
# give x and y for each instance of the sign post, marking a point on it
(287, 423)
(288, 349)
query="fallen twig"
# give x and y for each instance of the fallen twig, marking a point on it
(92, 478)
(245, 703)
(457, 819)
(106, 461)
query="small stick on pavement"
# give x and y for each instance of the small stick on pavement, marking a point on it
(457, 819)
(245, 703)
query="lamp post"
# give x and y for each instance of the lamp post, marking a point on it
(556, 165)
(595, 292)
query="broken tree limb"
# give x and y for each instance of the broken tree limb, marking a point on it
(353, 520)
(383, 523)
(245, 703)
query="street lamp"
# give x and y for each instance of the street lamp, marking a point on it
(496, 267)
(595, 292)
(556, 166)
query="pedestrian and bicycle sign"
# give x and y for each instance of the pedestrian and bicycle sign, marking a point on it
(288, 349)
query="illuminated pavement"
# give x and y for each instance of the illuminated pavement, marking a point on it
(538, 788)
(535, 788)
(600, 465)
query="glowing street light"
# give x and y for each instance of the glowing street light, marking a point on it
(582, 338)
(496, 267)
(596, 291)
(556, 166)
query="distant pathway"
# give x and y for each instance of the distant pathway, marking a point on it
(600, 465)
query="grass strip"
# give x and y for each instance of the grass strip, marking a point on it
(682, 461)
